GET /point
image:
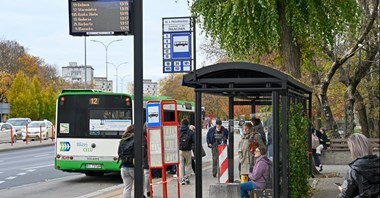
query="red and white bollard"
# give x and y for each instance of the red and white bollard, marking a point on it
(223, 163)
(52, 133)
(12, 140)
(40, 134)
(26, 134)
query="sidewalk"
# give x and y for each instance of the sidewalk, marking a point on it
(331, 174)
(22, 145)
(323, 184)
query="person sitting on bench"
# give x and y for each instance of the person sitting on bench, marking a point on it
(259, 172)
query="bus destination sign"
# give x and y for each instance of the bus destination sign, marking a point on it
(99, 17)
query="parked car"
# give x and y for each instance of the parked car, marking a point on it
(5, 133)
(18, 125)
(34, 128)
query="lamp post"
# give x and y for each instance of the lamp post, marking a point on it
(122, 81)
(106, 47)
(117, 73)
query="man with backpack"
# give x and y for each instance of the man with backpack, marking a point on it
(186, 139)
(126, 155)
(215, 136)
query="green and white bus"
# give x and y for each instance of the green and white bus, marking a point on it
(89, 127)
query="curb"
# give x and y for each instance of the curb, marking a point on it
(10, 148)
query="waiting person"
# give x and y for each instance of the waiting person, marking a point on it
(215, 136)
(126, 154)
(314, 144)
(259, 173)
(146, 164)
(363, 177)
(203, 153)
(244, 153)
(257, 138)
(186, 139)
(321, 134)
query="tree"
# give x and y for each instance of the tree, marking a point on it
(10, 52)
(171, 85)
(35, 99)
(49, 97)
(245, 28)
(349, 43)
(19, 97)
(5, 85)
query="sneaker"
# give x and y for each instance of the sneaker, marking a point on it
(214, 175)
(320, 168)
(187, 180)
(183, 182)
(148, 194)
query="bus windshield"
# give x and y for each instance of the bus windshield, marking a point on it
(93, 116)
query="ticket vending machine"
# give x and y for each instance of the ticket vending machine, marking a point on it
(162, 139)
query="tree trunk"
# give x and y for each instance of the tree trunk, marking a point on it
(290, 52)
(315, 81)
(329, 122)
(362, 113)
(349, 121)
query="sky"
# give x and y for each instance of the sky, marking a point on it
(42, 26)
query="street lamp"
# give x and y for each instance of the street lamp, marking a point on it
(117, 73)
(122, 80)
(106, 47)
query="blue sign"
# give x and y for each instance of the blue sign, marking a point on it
(153, 115)
(65, 146)
(176, 44)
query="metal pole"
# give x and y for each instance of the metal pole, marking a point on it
(107, 64)
(194, 46)
(285, 146)
(137, 15)
(198, 143)
(117, 81)
(230, 154)
(276, 141)
(85, 62)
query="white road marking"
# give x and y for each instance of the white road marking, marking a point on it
(37, 167)
(2, 182)
(21, 173)
(10, 178)
(1, 172)
(30, 170)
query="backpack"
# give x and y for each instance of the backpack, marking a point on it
(126, 152)
(185, 141)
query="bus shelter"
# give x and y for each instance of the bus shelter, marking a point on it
(255, 85)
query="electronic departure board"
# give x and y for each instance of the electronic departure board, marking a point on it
(99, 17)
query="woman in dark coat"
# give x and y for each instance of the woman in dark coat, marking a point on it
(363, 177)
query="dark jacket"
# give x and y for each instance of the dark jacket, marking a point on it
(185, 129)
(145, 141)
(126, 141)
(260, 171)
(363, 178)
(210, 136)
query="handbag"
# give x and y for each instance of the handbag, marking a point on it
(203, 152)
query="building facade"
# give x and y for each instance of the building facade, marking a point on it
(149, 88)
(103, 84)
(78, 74)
